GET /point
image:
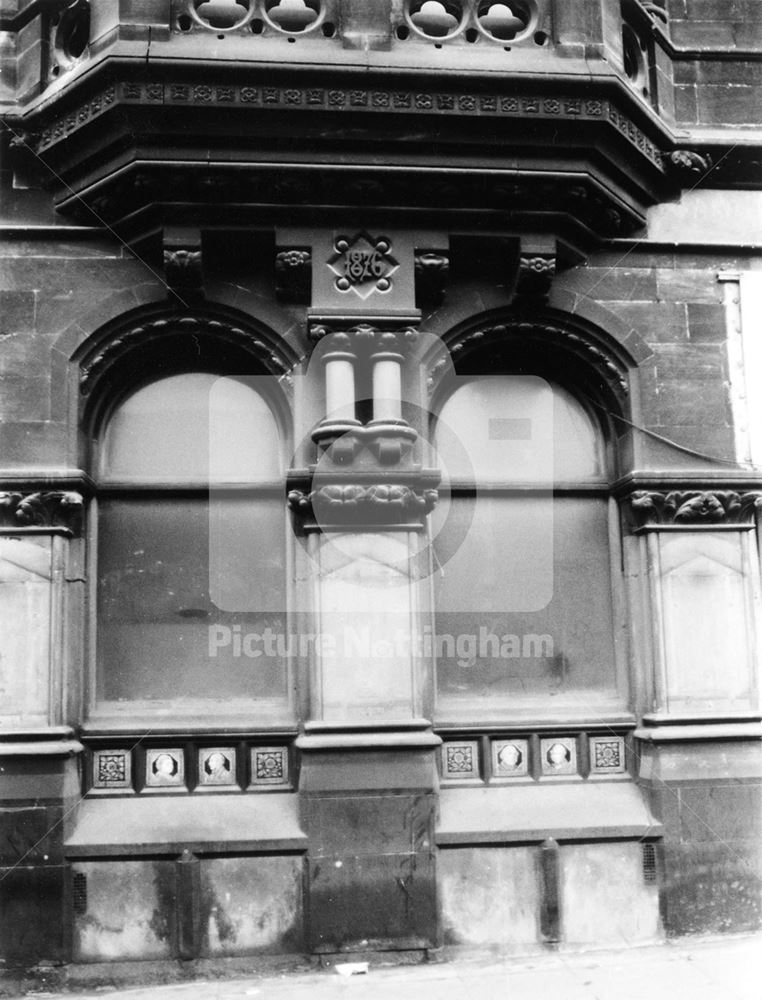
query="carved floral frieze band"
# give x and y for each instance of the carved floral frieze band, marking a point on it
(52, 509)
(693, 507)
(353, 99)
(377, 503)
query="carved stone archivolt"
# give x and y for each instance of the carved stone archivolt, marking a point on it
(95, 363)
(695, 507)
(610, 368)
(51, 509)
(379, 503)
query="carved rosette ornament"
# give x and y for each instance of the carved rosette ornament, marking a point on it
(695, 507)
(52, 509)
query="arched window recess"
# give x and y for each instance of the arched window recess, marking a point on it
(187, 440)
(525, 421)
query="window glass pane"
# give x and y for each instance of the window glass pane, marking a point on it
(491, 649)
(194, 427)
(517, 429)
(160, 636)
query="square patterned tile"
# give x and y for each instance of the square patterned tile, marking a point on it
(558, 755)
(606, 754)
(269, 766)
(112, 769)
(216, 766)
(165, 768)
(460, 760)
(510, 758)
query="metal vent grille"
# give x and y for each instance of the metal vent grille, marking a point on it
(649, 864)
(79, 893)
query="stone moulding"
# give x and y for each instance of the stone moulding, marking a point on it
(695, 507)
(52, 509)
(378, 503)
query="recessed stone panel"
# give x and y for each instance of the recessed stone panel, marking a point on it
(126, 910)
(490, 895)
(606, 899)
(251, 905)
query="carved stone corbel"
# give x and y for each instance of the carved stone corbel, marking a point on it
(685, 165)
(183, 264)
(50, 509)
(432, 273)
(538, 256)
(293, 275)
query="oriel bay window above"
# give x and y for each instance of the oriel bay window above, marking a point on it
(190, 552)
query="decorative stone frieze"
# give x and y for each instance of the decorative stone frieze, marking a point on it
(51, 509)
(695, 507)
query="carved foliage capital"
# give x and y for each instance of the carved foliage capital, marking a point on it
(53, 509)
(365, 337)
(695, 507)
(379, 503)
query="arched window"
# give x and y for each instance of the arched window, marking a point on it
(523, 592)
(190, 549)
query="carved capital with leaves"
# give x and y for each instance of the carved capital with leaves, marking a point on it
(695, 507)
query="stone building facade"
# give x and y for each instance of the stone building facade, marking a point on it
(380, 457)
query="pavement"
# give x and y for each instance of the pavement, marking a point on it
(729, 968)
